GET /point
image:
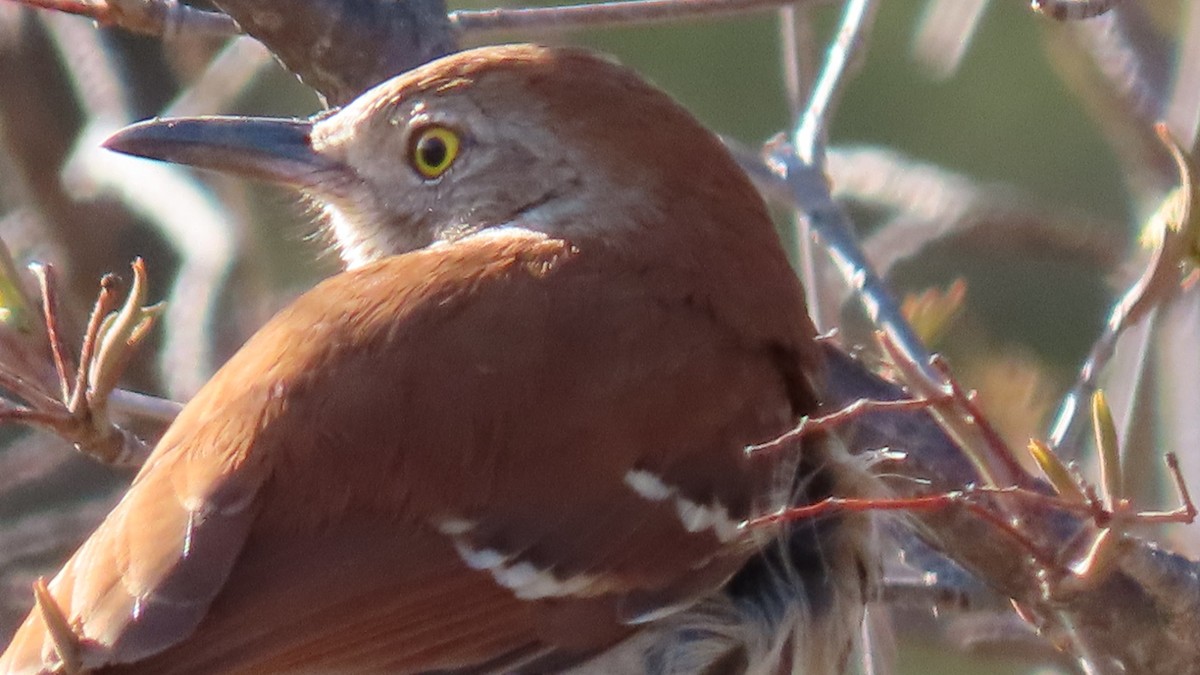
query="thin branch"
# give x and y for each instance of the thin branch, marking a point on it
(609, 14)
(839, 417)
(81, 416)
(149, 17)
(957, 414)
(801, 174)
(808, 191)
(144, 406)
(968, 499)
(1073, 10)
(799, 52)
(48, 420)
(58, 351)
(809, 136)
(1160, 279)
(23, 388)
(105, 303)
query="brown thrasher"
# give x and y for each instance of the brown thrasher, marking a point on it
(511, 437)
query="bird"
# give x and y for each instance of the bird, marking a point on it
(511, 436)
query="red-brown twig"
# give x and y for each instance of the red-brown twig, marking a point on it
(30, 416)
(47, 281)
(1112, 522)
(976, 416)
(150, 17)
(963, 498)
(839, 417)
(105, 303)
(23, 389)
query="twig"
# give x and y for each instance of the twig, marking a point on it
(799, 53)
(58, 351)
(619, 13)
(808, 138)
(964, 498)
(149, 17)
(135, 404)
(30, 416)
(839, 417)
(23, 389)
(957, 414)
(105, 303)
(806, 184)
(1160, 279)
(1073, 10)
(1186, 511)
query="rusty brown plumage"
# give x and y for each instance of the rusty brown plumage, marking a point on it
(511, 434)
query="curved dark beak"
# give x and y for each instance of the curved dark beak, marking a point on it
(273, 150)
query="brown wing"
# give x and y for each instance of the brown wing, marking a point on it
(435, 461)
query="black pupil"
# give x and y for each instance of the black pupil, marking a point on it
(432, 150)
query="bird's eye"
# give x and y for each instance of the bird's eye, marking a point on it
(433, 150)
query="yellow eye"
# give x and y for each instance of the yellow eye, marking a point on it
(433, 150)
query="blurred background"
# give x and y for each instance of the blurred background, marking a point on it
(1004, 160)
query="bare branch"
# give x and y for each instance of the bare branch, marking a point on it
(1121, 618)
(609, 14)
(149, 17)
(1160, 279)
(809, 137)
(1072, 10)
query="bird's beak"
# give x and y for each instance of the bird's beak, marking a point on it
(273, 150)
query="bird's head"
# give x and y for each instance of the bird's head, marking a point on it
(553, 140)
